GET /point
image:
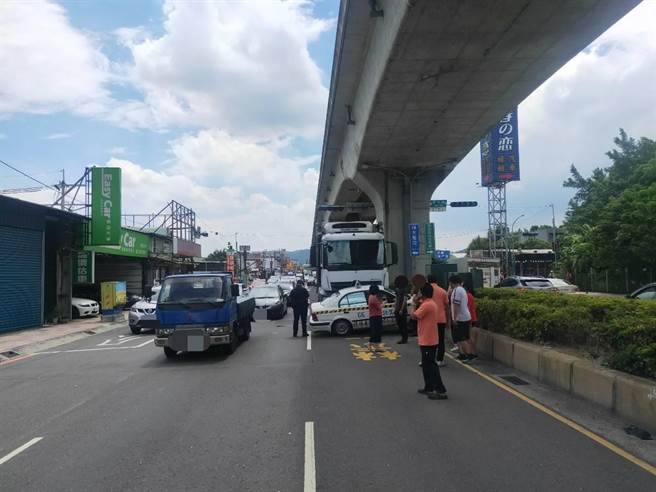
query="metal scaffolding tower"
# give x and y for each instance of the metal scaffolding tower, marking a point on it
(497, 220)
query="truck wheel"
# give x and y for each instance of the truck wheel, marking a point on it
(341, 328)
(246, 333)
(170, 353)
(232, 347)
(136, 330)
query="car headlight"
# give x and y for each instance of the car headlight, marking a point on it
(216, 330)
(134, 310)
(164, 332)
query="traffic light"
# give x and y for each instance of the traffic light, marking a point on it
(464, 204)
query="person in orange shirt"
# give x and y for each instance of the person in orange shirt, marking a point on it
(375, 317)
(441, 299)
(427, 336)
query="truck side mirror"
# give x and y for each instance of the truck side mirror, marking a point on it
(234, 290)
(393, 253)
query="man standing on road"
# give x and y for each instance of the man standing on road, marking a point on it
(442, 301)
(401, 306)
(462, 320)
(428, 338)
(299, 300)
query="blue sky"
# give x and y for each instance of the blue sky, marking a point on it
(221, 106)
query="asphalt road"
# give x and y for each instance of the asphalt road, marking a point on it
(114, 414)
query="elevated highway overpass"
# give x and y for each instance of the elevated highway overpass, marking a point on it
(416, 83)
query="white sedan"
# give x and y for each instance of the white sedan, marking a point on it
(84, 307)
(347, 310)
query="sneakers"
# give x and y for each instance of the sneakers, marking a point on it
(441, 363)
(422, 391)
(454, 349)
(434, 395)
(462, 357)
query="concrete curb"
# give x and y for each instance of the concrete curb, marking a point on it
(631, 397)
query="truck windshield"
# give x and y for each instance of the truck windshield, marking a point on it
(191, 290)
(356, 254)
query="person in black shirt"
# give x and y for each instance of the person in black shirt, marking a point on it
(299, 299)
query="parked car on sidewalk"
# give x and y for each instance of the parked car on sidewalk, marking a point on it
(84, 307)
(645, 293)
(271, 298)
(347, 310)
(143, 316)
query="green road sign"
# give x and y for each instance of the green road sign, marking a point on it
(438, 205)
(429, 230)
(105, 206)
(132, 243)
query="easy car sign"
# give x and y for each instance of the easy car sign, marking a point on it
(106, 206)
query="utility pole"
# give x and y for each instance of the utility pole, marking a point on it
(553, 228)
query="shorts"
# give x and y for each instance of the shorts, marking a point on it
(460, 332)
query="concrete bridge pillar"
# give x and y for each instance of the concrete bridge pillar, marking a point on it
(402, 197)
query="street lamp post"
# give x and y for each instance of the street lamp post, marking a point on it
(512, 239)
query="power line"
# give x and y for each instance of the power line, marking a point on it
(27, 175)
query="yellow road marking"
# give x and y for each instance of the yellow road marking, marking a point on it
(375, 351)
(564, 420)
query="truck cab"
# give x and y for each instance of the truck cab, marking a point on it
(201, 310)
(350, 252)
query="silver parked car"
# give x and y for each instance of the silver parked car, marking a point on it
(142, 316)
(517, 282)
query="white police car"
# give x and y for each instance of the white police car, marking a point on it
(347, 310)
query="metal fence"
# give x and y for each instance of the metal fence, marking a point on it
(614, 281)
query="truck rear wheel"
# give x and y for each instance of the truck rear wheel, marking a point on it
(170, 353)
(341, 328)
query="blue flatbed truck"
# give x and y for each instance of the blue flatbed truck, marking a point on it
(202, 310)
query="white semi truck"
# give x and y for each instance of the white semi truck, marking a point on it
(350, 252)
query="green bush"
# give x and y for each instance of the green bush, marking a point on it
(622, 330)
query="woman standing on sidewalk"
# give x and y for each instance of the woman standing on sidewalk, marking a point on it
(427, 336)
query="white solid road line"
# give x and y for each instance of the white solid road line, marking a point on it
(310, 472)
(309, 341)
(19, 450)
(97, 349)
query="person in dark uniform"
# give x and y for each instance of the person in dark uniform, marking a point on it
(401, 306)
(299, 300)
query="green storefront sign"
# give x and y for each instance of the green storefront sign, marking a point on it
(83, 267)
(131, 243)
(429, 230)
(106, 206)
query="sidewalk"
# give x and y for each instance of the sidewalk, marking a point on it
(20, 341)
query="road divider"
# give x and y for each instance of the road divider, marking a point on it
(19, 450)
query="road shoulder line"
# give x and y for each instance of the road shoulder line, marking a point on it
(562, 419)
(19, 450)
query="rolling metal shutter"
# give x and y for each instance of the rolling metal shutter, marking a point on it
(130, 271)
(21, 271)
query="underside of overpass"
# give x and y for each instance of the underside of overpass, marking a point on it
(414, 89)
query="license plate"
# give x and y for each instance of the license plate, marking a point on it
(195, 343)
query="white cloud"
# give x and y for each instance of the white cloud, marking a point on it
(48, 65)
(214, 157)
(260, 221)
(572, 118)
(243, 67)
(58, 136)
(118, 151)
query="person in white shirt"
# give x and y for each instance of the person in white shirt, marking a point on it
(460, 327)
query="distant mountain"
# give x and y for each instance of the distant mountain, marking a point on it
(301, 256)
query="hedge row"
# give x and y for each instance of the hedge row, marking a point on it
(621, 331)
